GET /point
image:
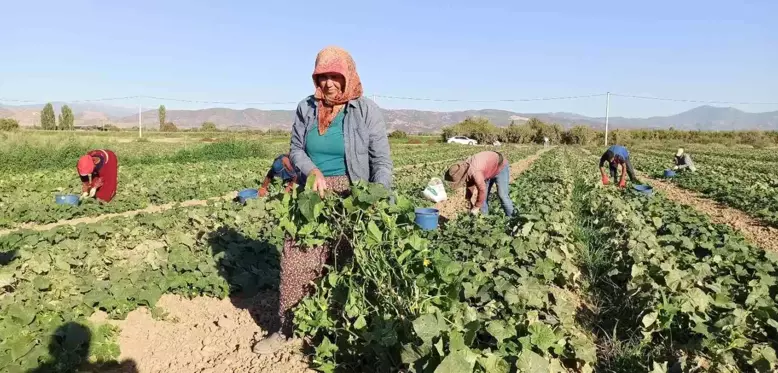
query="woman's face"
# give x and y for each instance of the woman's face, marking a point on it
(331, 84)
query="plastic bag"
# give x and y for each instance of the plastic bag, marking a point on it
(435, 190)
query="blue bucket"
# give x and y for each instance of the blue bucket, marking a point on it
(66, 199)
(645, 189)
(427, 218)
(669, 173)
(245, 194)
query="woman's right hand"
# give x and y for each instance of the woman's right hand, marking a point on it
(319, 184)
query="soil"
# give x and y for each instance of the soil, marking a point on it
(751, 228)
(201, 335)
(456, 202)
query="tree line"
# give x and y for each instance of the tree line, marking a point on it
(535, 130)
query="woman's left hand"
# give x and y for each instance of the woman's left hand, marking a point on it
(319, 184)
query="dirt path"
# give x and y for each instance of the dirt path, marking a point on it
(201, 335)
(752, 229)
(456, 202)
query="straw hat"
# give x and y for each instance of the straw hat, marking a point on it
(679, 152)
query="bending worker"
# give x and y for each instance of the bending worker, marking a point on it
(617, 155)
(282, 167)
(98, 170)
(683, 161)
(479, 173)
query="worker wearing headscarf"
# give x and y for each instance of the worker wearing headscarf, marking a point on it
(615, 156)
(479, 173)
(683, 161)
(98, 170)
(338, 137)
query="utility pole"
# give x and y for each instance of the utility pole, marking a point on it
(607, 114)
(140, 120)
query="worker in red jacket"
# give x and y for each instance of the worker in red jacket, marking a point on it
(479, 173)
(98, 170)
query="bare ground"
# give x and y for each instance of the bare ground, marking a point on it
(456, 202)
(751, 228)
(201, 335)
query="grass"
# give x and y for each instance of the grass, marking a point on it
(23, 152)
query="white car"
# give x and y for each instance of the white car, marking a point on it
(461, 140)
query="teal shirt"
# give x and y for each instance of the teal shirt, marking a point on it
(328, 151)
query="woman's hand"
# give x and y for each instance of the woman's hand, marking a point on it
(319, 184)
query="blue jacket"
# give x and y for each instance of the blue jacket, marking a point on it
(364, 131)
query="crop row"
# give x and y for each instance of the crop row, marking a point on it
(482, 294)
(753, 192)
(29, 197)
(685, 294)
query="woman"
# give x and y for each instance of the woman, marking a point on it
(98, 170)
(338, 137)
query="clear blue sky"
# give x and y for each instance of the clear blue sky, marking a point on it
(471, 50)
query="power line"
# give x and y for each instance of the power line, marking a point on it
(486, 101)
(693, 101)
(221, 102)
(405, 98)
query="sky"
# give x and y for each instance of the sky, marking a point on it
(264, 51)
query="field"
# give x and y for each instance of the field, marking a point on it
(174, 276)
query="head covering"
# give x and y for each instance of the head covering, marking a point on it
(679, 152)
(335, 60)
(456, 174)
(85, 165)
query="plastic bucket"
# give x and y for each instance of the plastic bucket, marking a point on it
(644, 189)
(245, 194)
(669, 173)
(427, 218)
(66, 199)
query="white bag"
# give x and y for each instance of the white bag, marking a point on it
(435, 190)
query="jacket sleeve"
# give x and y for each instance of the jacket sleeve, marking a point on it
(381, 165)
(603, 159)
(297, 145)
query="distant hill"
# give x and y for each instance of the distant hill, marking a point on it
(700, 118)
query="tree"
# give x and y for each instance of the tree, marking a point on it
(48, 119)
(65, 119)
(168, 127)
(208, 127)
(397, 134)
(162, 113)
(8, 124)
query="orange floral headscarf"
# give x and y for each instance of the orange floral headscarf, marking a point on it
(335, 60)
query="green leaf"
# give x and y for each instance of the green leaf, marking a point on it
(326, 348)
(531, 362)
(526, 229)
(456, 341)
(456, 362)
(20, 314)
(492, 363)
(649, 319)
(542, 336)
(360, 323)
(426, 327)
(306, 203)
(374, 233)
(657, 222)
(500, 330)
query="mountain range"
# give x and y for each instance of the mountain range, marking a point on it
(415, 121)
